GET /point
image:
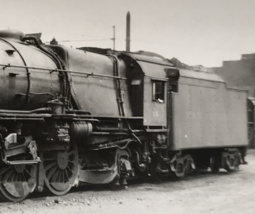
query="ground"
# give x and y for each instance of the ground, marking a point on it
(201, 193)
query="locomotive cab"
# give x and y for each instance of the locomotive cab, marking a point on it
(147, 84)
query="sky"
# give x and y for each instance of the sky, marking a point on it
(197, 32)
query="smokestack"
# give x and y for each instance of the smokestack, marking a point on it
(128, 33)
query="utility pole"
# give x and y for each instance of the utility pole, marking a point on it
(128, 32)
(113, 39)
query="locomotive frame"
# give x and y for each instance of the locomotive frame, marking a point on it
(70, 116)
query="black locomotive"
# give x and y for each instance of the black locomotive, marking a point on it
(96, 116)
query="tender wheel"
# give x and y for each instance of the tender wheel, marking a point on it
(183, 166)
(232, 162)
(17, 181)
(61, 170)
(215, 163)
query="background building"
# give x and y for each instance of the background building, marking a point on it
(239, 73)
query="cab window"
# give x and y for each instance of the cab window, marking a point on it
(158, 91)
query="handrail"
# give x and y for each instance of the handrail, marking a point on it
(67, 71)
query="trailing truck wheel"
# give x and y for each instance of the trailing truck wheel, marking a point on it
(17, 181)
(123, 167)
(156, 172)
(60, 170)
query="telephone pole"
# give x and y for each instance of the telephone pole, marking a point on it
(128, 22)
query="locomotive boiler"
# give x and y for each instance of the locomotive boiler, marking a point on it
(97, 116)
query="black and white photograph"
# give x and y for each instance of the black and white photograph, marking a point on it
(127, 106)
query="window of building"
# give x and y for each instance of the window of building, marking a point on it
(158, 91)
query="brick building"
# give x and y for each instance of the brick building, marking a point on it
(239, 73)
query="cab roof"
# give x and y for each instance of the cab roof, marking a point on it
(152, 66)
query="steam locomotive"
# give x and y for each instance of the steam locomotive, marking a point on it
(96, 116)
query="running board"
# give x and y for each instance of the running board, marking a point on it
(23, 162)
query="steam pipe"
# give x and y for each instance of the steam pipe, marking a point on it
(39, 110)
(78, 112)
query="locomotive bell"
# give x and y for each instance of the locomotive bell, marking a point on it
(53, 42)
